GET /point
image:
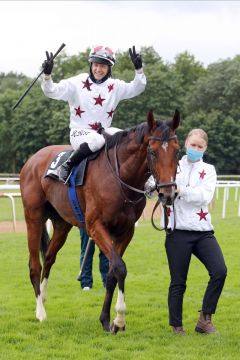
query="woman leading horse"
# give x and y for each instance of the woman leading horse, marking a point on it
(111, 198)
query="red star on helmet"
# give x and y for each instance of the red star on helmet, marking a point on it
(97, 48)
(79, 111)
(202, 174)
(87, 84)
(110, 113)
(99, 100)
(110, 87)
(202, 215)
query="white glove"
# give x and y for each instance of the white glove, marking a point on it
(150, 187)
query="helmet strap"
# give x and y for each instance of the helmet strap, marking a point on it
(109, 74)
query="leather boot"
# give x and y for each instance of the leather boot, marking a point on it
(204, 324)
(178, 330)
(74, 159)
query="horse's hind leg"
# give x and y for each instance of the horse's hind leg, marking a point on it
(35, 229)
(60, 232)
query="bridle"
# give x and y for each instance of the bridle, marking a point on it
(151, 155)
(158, 185)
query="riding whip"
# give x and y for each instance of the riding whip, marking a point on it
(31, 85)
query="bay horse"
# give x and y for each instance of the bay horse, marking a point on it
(112, 199)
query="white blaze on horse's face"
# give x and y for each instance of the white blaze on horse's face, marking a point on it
(165, 146)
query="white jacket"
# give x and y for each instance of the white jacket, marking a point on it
(197, 182)
(89, 102)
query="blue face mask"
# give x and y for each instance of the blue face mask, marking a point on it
(194, 155)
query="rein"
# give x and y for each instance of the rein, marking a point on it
(167, 230)
(117, 176)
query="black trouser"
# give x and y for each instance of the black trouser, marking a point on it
(180, 245)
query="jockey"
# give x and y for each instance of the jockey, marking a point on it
(92, 100)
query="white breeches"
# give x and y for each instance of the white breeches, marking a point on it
(95, 141)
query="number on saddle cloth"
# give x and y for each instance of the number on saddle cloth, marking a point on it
(59, 159)
(53, 170)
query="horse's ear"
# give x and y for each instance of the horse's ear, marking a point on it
(151, 121)
(176, 120)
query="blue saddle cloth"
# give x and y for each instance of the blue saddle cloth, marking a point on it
(72, 194)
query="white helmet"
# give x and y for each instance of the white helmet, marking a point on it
(102, 55)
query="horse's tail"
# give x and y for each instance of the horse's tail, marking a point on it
(44, 242)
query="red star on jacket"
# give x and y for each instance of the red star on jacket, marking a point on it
(110, 113)
(95, 126)
(110, 87)
(202, 215)
(79, 111)
(99, 100)
(202, 174)
(168, 210)
(87, 84)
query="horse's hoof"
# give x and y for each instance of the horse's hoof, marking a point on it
(41, 315)
(106, 328)
(115, 328)
(41, 318)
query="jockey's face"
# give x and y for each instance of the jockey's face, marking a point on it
(99, 70)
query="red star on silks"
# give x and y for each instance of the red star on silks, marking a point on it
(110, 113)
(168, 211)
(202, 215)
(79, 111)
(87, 84)
(99, 100)
(202, 174)
(110, 87)
(95, 126)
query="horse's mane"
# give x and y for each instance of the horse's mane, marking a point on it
(140, 131)
(120, 136)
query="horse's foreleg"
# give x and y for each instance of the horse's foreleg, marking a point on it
(117, 275)
(120, 272)
(110, 287)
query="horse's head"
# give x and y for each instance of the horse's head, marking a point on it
(163, 149)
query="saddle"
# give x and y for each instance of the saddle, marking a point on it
(80, 169)
(76, 178)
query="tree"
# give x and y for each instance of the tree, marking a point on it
(188, 69)
(224, 139)
(219, 89)
(207, 98)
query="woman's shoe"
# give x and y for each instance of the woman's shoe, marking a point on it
(204, 324)
(178, 330)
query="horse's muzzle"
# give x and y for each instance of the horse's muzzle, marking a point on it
(167, 192)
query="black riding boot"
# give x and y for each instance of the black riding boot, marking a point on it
(74, 159)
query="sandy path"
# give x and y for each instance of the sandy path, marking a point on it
(7, 226)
